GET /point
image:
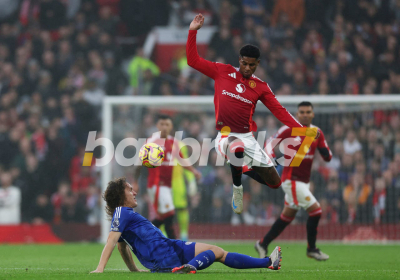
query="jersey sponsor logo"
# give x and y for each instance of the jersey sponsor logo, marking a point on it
(308, 198)
(252, 84)
(224, 92)
(233, 75)
(240, 88)
(188, 243)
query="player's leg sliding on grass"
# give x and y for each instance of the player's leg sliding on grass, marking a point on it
(156, 252)
(207, 254)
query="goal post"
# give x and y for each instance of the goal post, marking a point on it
(329, 110)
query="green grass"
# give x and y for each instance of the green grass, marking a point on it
(75, 261)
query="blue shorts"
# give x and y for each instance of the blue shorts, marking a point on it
(184, 250)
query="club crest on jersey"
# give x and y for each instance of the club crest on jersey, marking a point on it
(115, 224)
(252, 84)
(240, 88)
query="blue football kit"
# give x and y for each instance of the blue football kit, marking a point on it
(154, 251)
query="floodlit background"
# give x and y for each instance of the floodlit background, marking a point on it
(59, 59)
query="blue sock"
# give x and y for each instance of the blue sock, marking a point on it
(203, 260)
(240, 261)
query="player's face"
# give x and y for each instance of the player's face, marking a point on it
(248, 66)
(130, 196)
(165, 126)
(305, 115)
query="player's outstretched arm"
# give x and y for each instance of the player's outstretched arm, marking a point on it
(127, 257)
(193, 59)
(270, 101)
(105, 255)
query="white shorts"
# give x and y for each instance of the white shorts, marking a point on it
(161, 200)
(298, 194)
(254, 155)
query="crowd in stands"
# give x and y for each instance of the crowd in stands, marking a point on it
(58, 59)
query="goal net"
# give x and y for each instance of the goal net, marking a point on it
(359, 189)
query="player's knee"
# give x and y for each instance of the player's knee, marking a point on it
(316, 211)
(218, 252)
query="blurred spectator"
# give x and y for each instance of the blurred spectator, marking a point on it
(93, 205)
(10, 201)
(138, 65)
(42, 211)
(52, 14)
(332, 201)
(294, 9)
(351, 144)
(73, 209)
(357, 196)
(379, 199)
(57, 200)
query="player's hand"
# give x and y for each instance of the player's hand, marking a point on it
(197, 22)
(97, 271)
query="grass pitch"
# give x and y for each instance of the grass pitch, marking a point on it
(75, 261)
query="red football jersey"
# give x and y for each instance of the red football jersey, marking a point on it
(303, 172)
(162, 175)
(236, 97)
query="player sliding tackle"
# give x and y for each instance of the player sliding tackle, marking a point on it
(156, 252)
(237, 91)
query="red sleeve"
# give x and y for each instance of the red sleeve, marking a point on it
(323, 147)
(194, 60)
(269, 100)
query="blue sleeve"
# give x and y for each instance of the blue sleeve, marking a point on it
(119, 220)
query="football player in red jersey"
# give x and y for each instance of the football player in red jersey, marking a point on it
(296, 184)
(237, 91)
(159, 178)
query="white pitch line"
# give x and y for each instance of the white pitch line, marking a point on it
(31, 268)
(310, 270)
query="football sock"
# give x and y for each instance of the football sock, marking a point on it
(276, 229)
(183, 220)
(235, 154)
(236, 175)
(312, 225)
(169, 228)
(236, 260)
(203, 260)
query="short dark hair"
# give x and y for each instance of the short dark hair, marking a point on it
(163, 117)
(250, 51)
(305, 103)
(114, 195)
